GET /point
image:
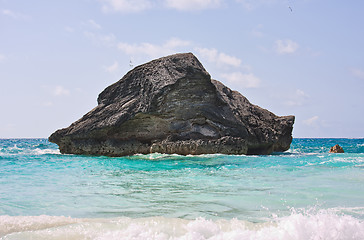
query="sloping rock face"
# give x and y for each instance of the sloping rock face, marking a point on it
(171, 105)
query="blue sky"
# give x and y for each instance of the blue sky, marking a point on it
(302, 58)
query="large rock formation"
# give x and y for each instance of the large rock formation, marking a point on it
(171, 105)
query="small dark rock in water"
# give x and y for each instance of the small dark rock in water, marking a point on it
(171, 105)
(336, 149)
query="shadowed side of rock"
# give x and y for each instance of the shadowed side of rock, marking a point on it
(171, 105)
(266, 132)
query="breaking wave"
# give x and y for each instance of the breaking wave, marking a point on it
(27, 147)
(324, 224)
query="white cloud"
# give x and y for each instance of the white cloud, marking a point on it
(257, 31)
(247, 68)
(125, 5)
(247, 4)
(300, 93)
(8, 13)
(229, 60)
(148, 49)
(60, 91)
(69, 29)
(312, 122)
(107, 40)
(141, 5)
(358, 73)
(13, 14)
(253, 4)
(219, 58)
(244, 80)
(2, 57)
(93, 24)
(192, 5)
(176, 43)
(47, 104)
(286, 46)
(153, 50)
(297, 98)
(112, 68)
(313, 52)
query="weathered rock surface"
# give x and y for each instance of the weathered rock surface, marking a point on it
(336, 149)
(171, 105)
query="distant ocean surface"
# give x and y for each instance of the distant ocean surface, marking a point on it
(305, 193)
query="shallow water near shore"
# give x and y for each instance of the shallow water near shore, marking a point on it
(302, 193)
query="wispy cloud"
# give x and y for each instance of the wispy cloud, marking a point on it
(247, 4)
(153, 50)
(2, 57)
(192, 5)
(176, 43)
(298, 98)
(47, 104)
(60, 91)
(241, 77)
(357, 73)
(69, 29)
(93, 24)
(253, 4)
(291, 98)
(243, 80)
(14, 15)
(311, 122)
(112, 68)
(286, 46)
(219, 58)
(104, 39)
(257, 31)
(132, 6)
(125, 6)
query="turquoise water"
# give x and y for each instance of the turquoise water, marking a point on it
(301, 192)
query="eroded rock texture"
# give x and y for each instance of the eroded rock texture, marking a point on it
(171, 105)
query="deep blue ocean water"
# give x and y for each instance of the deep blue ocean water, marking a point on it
(304, 193)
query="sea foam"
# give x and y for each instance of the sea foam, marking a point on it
(324, 224)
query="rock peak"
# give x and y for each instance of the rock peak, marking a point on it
(156, 74)
(171, 105)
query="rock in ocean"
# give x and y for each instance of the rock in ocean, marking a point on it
(336, 149)
(171, 105)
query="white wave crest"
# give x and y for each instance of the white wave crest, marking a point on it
(20, 151)
(154, 156)
(38, 151)
(322, 225)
